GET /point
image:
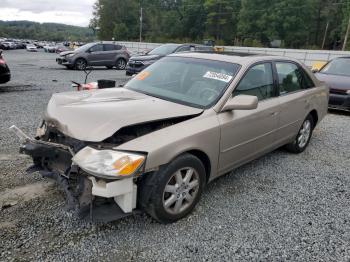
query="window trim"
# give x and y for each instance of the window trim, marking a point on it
(277, 77)
(274, 79)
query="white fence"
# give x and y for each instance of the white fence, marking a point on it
(306, 56)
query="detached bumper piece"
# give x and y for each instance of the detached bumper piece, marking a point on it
(89, 197)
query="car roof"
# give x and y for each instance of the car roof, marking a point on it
(107, 42)
(233, 57)
(343, 57)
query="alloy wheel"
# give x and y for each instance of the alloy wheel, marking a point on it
(121, 64)
(181, 190)
(304, 134)
(80, 64)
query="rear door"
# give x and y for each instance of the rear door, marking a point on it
(110, 54)
(295, 92)
(246, 134)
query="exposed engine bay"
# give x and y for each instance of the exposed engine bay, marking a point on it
(52, 153)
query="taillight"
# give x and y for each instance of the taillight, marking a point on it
(2, 62)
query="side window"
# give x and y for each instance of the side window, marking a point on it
(118, 47)
(96, 48)
(292, 78)
(257, 82)
(109, 47)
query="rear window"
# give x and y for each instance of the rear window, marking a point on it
(112, 47)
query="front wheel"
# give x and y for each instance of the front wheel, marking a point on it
(303, 138)
(80, 64)
(172, 192)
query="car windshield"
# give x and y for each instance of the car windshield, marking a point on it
(84, 47)
(339, 66)
(164, 49)
(190, 81)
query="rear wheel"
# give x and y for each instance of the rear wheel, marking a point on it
(121, 64)
(172, 192)
(303, 138)
(80, 64)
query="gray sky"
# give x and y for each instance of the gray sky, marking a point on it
(72, 12)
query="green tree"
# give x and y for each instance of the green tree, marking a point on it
(221, 19)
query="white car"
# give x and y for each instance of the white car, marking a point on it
(32, 48)
(50, 48)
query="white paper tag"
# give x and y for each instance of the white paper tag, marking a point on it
(218, 76)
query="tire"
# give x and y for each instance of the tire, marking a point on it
(303, 137)
(109, 67)
(120, 64)
(80, 64)
(164, 198)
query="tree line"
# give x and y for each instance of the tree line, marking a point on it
(311, 24)
(45, 31)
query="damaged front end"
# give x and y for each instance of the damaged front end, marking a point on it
(99, 182)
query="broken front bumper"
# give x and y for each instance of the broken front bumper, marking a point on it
(97, 199)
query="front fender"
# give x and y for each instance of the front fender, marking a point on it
(201, 133)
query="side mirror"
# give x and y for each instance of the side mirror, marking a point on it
(241, 102)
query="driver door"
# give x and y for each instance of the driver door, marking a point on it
(247, 134)
(95, 55)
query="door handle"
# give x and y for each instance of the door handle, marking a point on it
(274, 114)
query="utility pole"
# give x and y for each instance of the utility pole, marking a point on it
(141, 18)
(325, 35)
(346, 36)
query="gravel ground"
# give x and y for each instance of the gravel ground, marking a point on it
(279, 207)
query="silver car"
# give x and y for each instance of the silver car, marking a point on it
(108, 54)
(187, 119)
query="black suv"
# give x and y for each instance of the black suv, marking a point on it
(137, 63)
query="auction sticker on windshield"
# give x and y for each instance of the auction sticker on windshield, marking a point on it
(218, 76)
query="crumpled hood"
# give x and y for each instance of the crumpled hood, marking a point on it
(145, 57)
(96, 115)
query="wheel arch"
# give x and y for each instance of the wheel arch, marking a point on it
(314, 115)
(203, 157)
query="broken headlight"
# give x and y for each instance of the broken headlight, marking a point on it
(108, 163)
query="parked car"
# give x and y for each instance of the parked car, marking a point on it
(31, 48)
(50, 48)
(61, 48)
(336, 74)
(8, 45)
(4, 46)
(5, 74)
(189, 118)
(20, 45)
(137, 63)
(108, 54)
